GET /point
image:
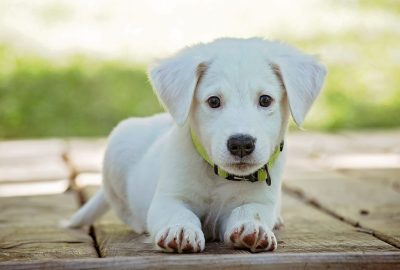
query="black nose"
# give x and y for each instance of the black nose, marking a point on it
(241, 145)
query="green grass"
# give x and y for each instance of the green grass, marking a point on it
(86, 97)
(362, 88)
(392, 6)
(79, 98)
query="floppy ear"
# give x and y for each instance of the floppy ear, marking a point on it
(302, 77)
(175, 80)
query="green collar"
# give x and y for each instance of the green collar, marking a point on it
(260, 175)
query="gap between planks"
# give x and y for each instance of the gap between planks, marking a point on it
(299, 194)
(73, 173)
(78, 191)
(305, 198)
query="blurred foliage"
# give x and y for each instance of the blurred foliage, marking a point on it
(383, 5)
(362, 89)
(79, 98)
(86, 97)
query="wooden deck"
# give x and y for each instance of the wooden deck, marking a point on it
(341, 208)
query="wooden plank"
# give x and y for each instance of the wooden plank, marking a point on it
(114, 238)
(29, 229)
(311, 239)
(344, 151)
(358, 190)
(310, 230)
(32, 167)
(11, 151)
(306, 230)
(368, 203)
(388, 141)
(310, 151)
(56, 186)
(265, 261)
(318, 144)
(388, 177)
(32, 160)
(88, 179)
(86, 155)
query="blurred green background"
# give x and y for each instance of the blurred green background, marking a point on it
(81, 94)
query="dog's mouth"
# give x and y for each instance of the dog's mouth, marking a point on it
(242, 165)
(241, 168)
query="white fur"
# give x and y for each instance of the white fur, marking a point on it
(157, 182)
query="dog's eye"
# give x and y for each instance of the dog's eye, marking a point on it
(214, 102)
(265, 101)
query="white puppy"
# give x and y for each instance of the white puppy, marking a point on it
(228, 104)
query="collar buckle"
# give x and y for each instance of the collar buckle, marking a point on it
(252, 177)
(235, 177)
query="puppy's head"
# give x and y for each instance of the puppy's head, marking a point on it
(236, 95)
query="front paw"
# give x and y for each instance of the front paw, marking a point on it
(252, 236)
(180, 238)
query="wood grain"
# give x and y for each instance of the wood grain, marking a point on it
(306, 230)
(32, 161)
(11, 151)
(86, 156)
(35, 169)
(55, 186)
(32, 167)
(29, 229)
(368, 203)
(367, 197)
(384, 140)
(88, 179)
(114, 238)
(265, 261)
(310, 230)
(339, 212)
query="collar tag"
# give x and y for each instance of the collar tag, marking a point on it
(268, 179)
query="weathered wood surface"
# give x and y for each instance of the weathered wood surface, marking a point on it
(32, 161)
(265, 261)
(88, 179)
(341, 209)
(86, 156)
(366, 203)
(29, 229)
(116, 239)
(33, 167)
(367, 197)
(306, 230)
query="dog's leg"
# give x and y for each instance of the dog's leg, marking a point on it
(250, 227)
(175, 227)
